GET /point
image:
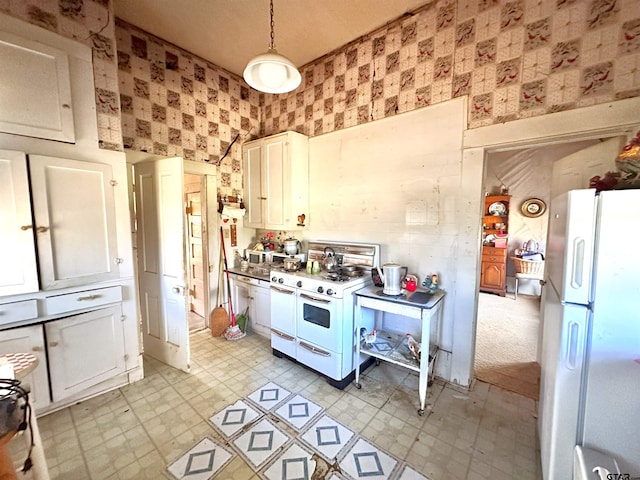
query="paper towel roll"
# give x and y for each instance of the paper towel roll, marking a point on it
(232, 212)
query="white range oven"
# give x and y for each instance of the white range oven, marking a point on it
(312, 314)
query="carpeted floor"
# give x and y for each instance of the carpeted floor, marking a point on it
(506, 343)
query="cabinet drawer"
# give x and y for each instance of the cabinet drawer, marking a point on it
(18, 311)
(493, 259)
(81, 300)
(501, 252)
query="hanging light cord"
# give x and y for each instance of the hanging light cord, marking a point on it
(272, 45)
(11, 393)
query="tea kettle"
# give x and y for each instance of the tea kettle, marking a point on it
(329, 259)
(392, 278)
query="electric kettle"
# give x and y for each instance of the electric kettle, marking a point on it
(392, 277)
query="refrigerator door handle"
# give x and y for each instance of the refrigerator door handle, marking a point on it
(577, 264)
(573, 357)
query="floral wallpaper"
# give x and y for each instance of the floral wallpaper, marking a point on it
(514, 59)
(174, 103)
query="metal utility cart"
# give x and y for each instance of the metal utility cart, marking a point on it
(371, 311)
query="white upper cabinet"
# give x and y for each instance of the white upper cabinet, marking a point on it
(276, 181)
(74, 211)
(17, 249)
(35, 99)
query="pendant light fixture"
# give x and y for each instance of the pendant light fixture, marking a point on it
(271, 72)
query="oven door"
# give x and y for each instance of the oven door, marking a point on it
(319, 321)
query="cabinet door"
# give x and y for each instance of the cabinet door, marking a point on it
(262, 310)
(493, 276)
(74, 211)
(85, 350)
(241, 296)
(37, 77)
(30, 340)
(275, 181)
(17, 247)
(253, 197)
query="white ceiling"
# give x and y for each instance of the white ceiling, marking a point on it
(229, 33)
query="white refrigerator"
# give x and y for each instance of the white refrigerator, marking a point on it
(590, 375)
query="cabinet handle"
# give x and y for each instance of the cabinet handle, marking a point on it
(26, 227)
(89, 297)
(314, 350)
(37, 349)
(53, 344)
(42, 229)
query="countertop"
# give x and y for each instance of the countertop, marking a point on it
(260, 273)
(421, 298)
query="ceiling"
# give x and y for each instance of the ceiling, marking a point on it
(229, 33)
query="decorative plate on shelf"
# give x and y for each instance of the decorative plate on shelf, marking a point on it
(497, 208)
(534, 207)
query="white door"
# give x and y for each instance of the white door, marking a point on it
(574, 171)
(161, 260)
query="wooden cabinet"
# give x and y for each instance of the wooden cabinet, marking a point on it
(73, 208)
(253, 294)
(495, 221)
(493, 272)
(276, 181)
(496, 214)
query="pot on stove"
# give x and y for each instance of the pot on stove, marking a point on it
(292, 264)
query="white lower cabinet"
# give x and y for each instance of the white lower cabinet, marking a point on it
(30, 340)
(252, 294)
(84, 350)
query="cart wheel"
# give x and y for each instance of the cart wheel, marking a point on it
(377, 362)
(421, 411)
(358, 386)
(429, 383)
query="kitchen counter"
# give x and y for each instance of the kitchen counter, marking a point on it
(420, 298)
(260, 273)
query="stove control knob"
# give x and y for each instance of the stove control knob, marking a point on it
(320, 289)
(274, 279)
(299, 284)
(329, 291)
(281, 280)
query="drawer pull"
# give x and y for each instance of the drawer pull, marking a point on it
(26, 227)
(53, 344)
(42, 229)
(89, 297)
(282, 335)
(313, 299)
(282, 290)
(37, 349)
(314, 350)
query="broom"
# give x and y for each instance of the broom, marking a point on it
(219, 316)
(232, 332)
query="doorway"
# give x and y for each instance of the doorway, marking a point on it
(174, 202)
(553, 137)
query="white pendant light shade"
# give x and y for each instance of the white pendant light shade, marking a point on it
(272, 73)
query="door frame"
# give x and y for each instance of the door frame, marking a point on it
(209, 218)
(618, 118)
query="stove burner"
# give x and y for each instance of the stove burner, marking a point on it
(339, 277)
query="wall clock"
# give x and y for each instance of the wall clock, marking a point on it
(534, 207)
